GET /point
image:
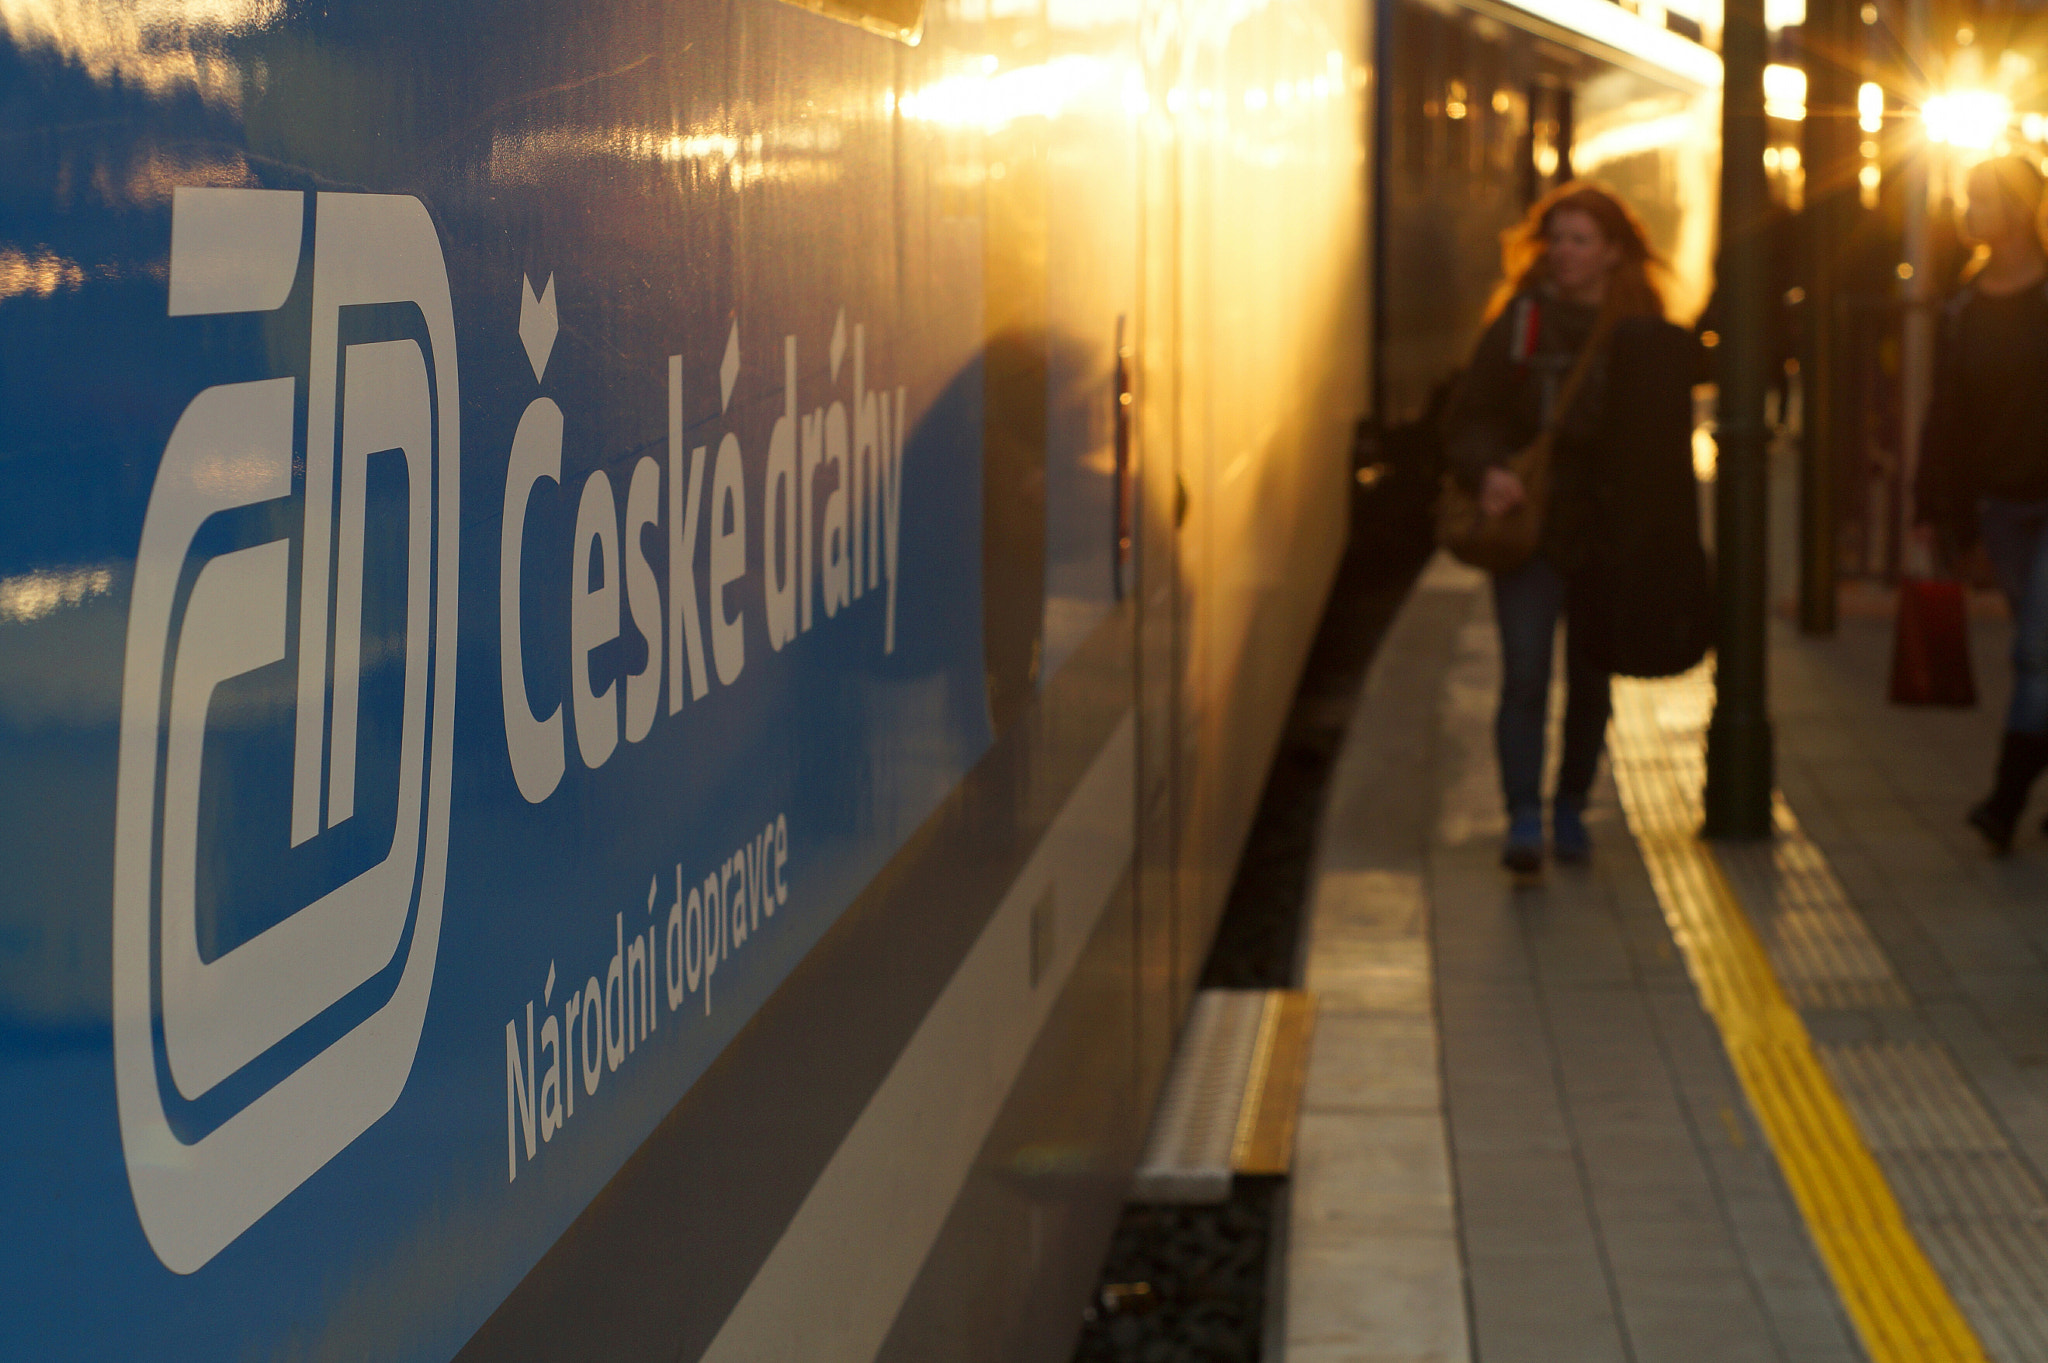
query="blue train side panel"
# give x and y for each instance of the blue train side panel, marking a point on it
(491, 564)
(636, 641)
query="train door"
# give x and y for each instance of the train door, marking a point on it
(1158, 502)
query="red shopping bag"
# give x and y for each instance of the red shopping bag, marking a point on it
(1931, 644)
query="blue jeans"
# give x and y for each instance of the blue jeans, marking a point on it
(2018, 549)
(1527, 604)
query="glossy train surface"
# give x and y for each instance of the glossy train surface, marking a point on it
(635, 643)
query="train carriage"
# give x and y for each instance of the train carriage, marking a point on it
(635, 642)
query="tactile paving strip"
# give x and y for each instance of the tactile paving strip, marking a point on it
(1820, 949)
(1901, 1306)
(1823, 954)
(1993, 1269)
(1976, 1208)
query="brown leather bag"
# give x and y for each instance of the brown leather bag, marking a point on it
(1503, 543)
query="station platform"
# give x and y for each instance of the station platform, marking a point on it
(1690, 1102)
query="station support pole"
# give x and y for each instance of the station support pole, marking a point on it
(1918, 176)
(1739, 774)
(1832, 40)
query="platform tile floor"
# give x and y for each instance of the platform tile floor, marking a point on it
(1522, 1137)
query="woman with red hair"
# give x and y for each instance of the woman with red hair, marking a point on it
(1578, 273)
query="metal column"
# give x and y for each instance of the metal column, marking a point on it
(1831, 46)
(1919, 174)
(1739, 776)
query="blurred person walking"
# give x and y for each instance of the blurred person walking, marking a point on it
(1578, 298)
(1984, 455)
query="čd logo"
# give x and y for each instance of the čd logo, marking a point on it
(244, 1064)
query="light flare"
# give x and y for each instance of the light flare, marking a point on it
(1972, 120)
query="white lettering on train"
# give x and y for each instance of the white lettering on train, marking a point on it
(830, 507)
(668, 957)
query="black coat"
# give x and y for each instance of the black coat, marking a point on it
(1976, 444)
(1622, 524)
(1645, 589)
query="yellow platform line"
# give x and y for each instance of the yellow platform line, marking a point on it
(1896, 1299)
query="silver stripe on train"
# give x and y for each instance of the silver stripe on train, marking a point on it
(832, 1286)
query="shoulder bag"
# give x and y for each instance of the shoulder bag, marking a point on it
(1503, 543)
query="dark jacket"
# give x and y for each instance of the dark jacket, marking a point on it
(1646, 589)
(1624, 518)
(1987, 418)
(1506, 396)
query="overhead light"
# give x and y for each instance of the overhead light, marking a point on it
(1973, 120)
(1870, 107)
(1784, 13)
(1784, 92)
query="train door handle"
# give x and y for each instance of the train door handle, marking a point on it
(1180, 501)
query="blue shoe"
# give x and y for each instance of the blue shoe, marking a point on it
(1570, 843)
(1523, 851)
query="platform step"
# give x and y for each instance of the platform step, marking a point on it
(1232, 1096)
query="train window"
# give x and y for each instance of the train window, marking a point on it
(1567, 133)
(1512, 108)
(1550, 138)
(1457, 129)
(1486, 61)
(902, 20)
(1443, 58)
(1415, 39)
